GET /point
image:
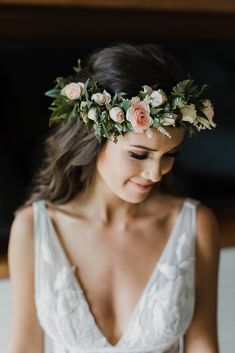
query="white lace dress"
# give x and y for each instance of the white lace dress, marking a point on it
(158, 321)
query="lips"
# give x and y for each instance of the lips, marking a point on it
(142, 184)
(142, 187)
(146, 184)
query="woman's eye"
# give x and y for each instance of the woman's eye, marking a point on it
(137, 156)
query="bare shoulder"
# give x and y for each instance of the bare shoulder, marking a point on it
(202, 333)
(207, 227)
(207, 247)
(21, 235)
(23, 219)
(26, 334)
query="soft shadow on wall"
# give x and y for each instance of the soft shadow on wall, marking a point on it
(206, 166)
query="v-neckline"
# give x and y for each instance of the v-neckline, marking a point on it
(149, 282)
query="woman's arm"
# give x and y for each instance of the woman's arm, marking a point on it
(26, 336)
(201, 337)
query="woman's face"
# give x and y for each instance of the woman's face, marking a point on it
(130, 167)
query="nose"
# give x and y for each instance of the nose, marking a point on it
(153, 173)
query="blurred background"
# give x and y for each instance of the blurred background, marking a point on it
(40, 40)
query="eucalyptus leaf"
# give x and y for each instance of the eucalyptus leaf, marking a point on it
(52, 93)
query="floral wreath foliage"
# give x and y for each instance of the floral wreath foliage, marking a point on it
(111, 116)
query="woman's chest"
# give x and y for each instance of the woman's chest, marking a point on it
(138, 315)
(110, 255)
(113, 267)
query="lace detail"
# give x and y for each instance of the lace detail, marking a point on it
(173, 296)
(160, 318)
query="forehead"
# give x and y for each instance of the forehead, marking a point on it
(158, 141)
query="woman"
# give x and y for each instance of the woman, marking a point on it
(102, 257)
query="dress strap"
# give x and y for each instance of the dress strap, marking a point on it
(192, 214)
(37, 241)
(42, 244)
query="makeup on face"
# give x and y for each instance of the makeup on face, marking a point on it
(141, 155)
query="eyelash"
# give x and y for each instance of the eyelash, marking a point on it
(144, 156)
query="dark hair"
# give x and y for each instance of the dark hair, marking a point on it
(70, 150)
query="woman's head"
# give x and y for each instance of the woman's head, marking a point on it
(132, 167)
(72, 151)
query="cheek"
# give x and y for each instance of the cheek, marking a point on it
(115, 167)
(167, 165)
(124, 167)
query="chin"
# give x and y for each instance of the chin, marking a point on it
(135, 199)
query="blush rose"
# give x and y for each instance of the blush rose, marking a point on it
(139, 115)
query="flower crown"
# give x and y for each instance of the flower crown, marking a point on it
(110, 116)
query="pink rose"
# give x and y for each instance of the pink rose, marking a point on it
(139, 115)
(73, 90)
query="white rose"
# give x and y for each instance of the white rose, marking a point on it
(73, 90)
(101, 98)
(169, 120)
(189, 113)
(208, 110)
(147, 89)
(117, 114)
(156, 98)
(92, 114)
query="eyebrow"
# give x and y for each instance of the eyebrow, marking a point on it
(150, 149)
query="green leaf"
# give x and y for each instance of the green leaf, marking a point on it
(129, 126)
(125, 105)
(62, 81)
(56, 118)
(118, 97)
(104, 115)
(108, 106)
(73, 113)
(142, 95)
(78, 118)
(178, 102)
(94, 87)
(105, 131)
(78, 67)
(52, 93)
(156, 122)
(98, 134)
(87, 97)
(119, 127)
(155, 111)
(180, 88)
(86, 85)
